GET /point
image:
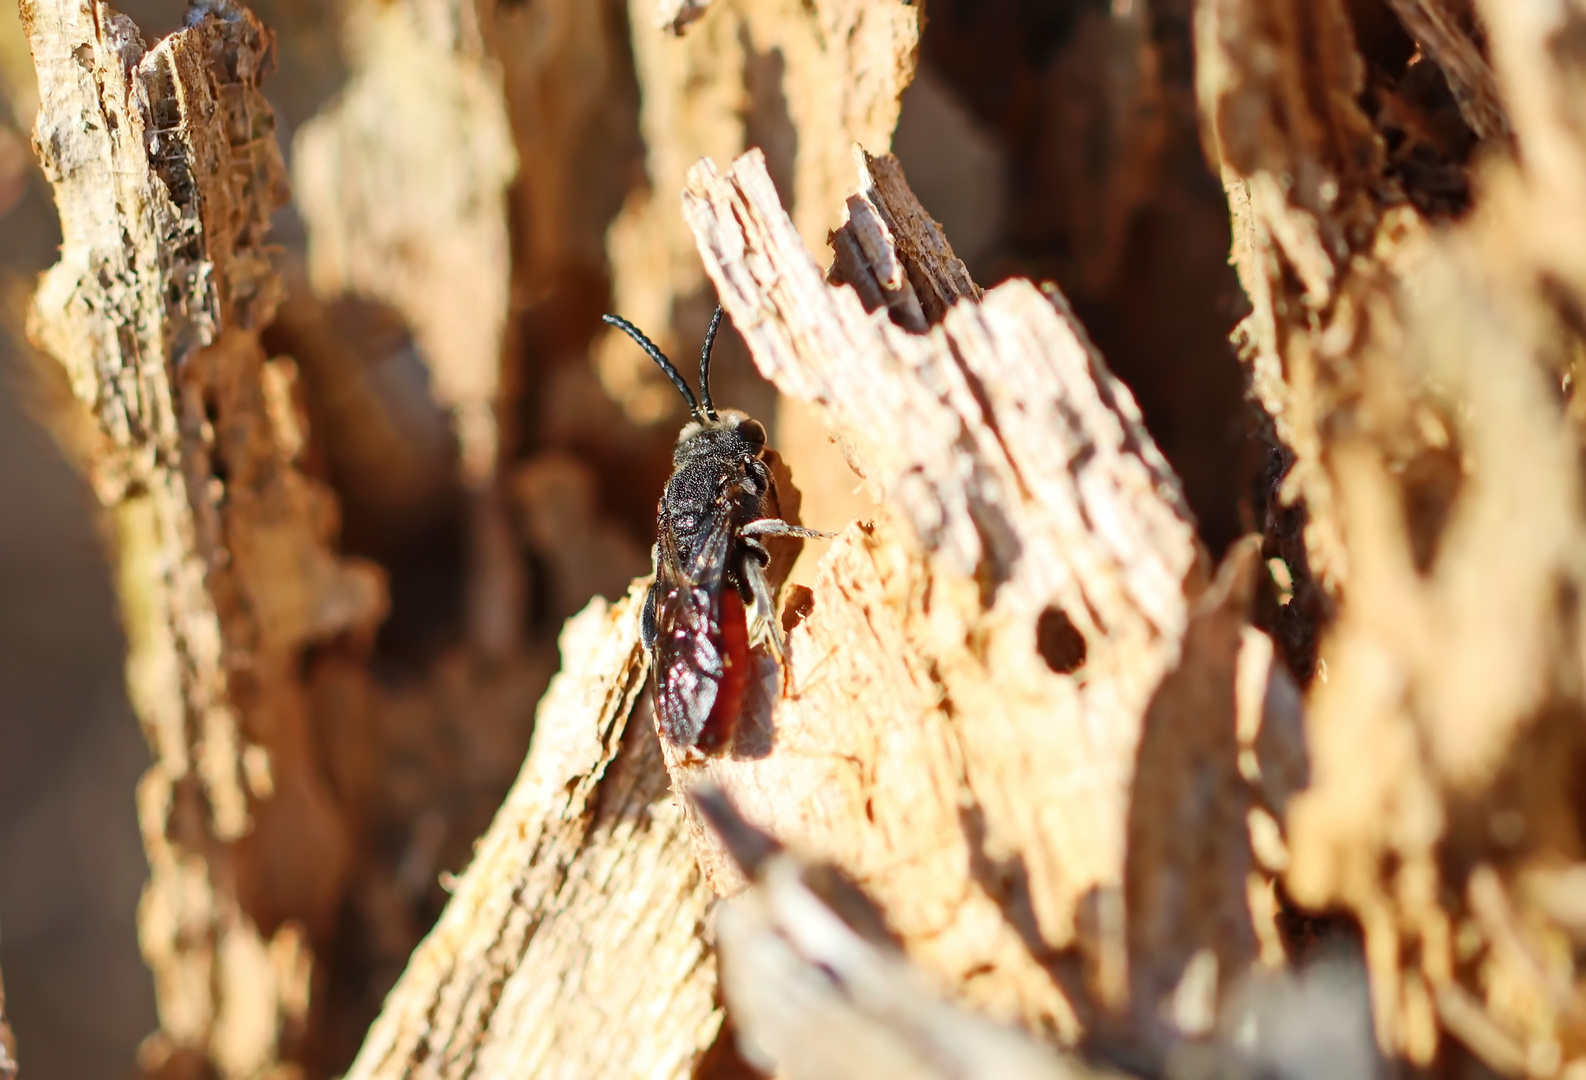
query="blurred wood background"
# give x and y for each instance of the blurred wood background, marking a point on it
(1088, 782)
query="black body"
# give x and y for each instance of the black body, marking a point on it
(718, 503)
(720, 482)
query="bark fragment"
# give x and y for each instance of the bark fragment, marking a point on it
(925, 745)
(1411, 361)
(573, 946)
(166, 169)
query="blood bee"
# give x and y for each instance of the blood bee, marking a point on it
(711, 601)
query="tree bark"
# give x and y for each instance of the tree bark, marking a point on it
(931, 663)
(1068, 787)
(166, 170)
(574, 945)
(1418, 363)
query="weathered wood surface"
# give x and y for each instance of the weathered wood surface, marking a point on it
(402, 181)
(574, 945)
(820, 992)
(979, 788)
(166, 169)
(1418, 356)
(970, 674)
(802, 81)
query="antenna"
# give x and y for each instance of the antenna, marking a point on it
(660, 358)
(704, 363)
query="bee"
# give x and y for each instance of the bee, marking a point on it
(711, 602)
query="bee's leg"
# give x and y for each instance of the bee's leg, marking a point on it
(647, 626)
(778, 527)
(765, 626)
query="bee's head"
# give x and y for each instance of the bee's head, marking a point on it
(731, 434)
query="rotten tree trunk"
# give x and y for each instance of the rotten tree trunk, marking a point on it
(993, 691)
(1033, 594)
(574, 945)
(994, 438)
(1420, 366)
(1022, 718)
(166, 170)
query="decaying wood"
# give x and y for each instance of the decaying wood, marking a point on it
(1444, 29)
(951, 739)
(1411, 361)
(403, 184)
(378, 455)
(567, 87)
(819, 991)
(574, 945)
(166, 169)
(675, 15)
(1022, 717)
(798, 80)
(968, 686)
(464, 176)
(588, 556)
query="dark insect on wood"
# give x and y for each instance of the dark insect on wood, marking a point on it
(712, 601)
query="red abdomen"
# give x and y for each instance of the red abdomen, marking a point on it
(734, 644)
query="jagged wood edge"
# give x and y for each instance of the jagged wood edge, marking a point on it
(1018, 479)
(166, 169)
(574, 944)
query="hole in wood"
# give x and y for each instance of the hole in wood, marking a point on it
(1059, 641)
(799, 602)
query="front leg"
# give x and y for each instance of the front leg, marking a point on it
(766, 625)
(778, 527)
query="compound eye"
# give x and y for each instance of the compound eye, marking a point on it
(753, 431)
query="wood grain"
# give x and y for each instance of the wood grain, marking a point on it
(1409, 356)
(979, 790)
(574, 944)
(166, 170)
